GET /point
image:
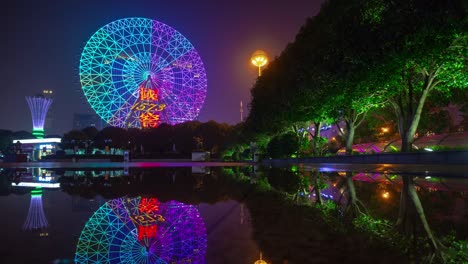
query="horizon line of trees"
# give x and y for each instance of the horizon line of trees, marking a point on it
(180, 138)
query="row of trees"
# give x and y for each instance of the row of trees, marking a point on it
(181, 138)
(7, 137)
(355, 56)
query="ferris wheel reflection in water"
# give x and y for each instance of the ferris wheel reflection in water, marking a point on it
(143, 230)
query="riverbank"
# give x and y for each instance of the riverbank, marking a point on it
(439, 157)
(116, 165)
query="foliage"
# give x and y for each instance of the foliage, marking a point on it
(90, 132)
(114, 137)
(320, 145)
(285, 180)
(428, 45)
(73, 138)
(375, 227)
(329, 212)
(319, 182)
(213, 134)
(5, 140)
(178, 139)
(355, 56)
(456, 251)
(283, 146)
(263, 185)
(305, 145)
(271, 108)
(22, 135)
(372, 11)
(382, 230)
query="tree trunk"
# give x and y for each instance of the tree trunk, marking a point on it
(406, 212)
(315, 137)
(406, 142)
(411, 210)
(409, 113)
(349, 137)
(318, 193)
(352, 207)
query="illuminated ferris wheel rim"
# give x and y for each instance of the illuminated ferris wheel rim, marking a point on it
(122, 54)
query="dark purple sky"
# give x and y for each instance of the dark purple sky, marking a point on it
(42, 43)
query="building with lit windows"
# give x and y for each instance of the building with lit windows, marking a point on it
(37, 148)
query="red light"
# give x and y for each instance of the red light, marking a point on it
(147, 231)
(147, 94)
(149, 120)
(148, 205)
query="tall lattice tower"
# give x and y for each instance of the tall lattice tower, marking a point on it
(39, 105)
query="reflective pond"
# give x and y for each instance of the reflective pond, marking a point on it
(239, 214)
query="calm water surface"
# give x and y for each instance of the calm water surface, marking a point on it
(200, 214)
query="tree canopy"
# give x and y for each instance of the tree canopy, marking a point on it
(357, 55)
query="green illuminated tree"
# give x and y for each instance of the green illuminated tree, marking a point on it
(272, 110)
(358, 55)
(336, 51)
(424, 46)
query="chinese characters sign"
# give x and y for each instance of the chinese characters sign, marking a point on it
(149, 107)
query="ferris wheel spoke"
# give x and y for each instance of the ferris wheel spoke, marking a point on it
(121, 54)
(167, 63)
(174, 221)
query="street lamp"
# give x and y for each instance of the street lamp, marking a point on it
(259, 59)
(260, 261)
(385, 195)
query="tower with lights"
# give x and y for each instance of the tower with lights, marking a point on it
(36, 217)
(39, 105)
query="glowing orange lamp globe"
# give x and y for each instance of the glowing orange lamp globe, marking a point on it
(259, 59)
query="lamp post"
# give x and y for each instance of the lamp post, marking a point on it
(259, 59)
(260, 261)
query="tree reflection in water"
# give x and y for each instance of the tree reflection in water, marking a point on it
(411, 215)
(410, 232)
(286, 208)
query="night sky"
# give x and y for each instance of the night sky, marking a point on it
(42, 42)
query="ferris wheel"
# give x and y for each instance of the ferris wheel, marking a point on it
(138, 72)
(143, 230)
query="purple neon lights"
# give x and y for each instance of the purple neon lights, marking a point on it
(111, 234)
(36, 218)
(39, 107)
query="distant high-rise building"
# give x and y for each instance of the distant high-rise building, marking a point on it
(81, 121)
(49, 121)
(39, 107)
